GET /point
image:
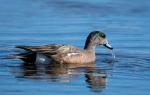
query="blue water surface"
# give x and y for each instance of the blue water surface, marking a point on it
(39, 22)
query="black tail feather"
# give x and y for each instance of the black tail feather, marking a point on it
(26, 57)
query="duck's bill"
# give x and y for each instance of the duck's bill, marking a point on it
(108, 46)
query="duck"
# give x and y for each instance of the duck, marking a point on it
(65, 54)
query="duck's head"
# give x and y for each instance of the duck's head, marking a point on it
(96, 38)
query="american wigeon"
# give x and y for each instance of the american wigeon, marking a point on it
(60, 53)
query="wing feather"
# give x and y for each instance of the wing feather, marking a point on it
(52, 49)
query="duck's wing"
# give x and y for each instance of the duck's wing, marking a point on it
(52, 49)
(44, 48)
(57, 52)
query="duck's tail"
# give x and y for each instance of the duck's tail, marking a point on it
(18, 56)
(26, 57)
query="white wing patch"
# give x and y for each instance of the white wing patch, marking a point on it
(71, 54)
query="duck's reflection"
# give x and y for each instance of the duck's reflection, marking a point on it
(94, 77)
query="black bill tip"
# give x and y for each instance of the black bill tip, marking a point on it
(108, 46)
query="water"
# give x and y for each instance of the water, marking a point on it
(37, 22)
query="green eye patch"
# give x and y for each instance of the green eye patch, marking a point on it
(99, 34)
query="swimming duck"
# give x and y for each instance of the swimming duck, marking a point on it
(60, 53)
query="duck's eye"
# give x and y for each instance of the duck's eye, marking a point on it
(103, 35)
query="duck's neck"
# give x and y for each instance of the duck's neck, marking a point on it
(89, 46)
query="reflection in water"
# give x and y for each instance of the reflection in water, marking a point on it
(94, 77)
